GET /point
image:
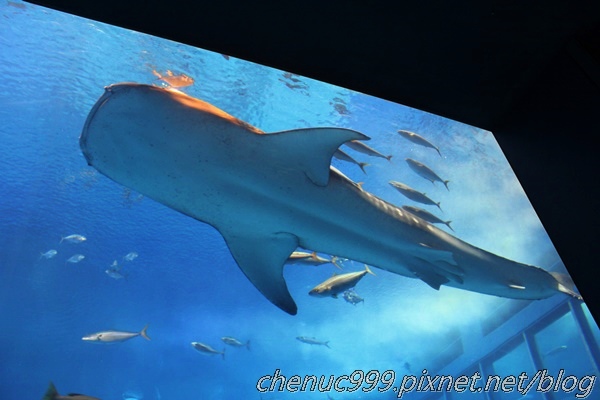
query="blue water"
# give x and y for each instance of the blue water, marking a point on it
(184, 283)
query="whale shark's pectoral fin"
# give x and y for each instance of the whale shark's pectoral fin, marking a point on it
(428, 273)
(311, 149)
(261, 258)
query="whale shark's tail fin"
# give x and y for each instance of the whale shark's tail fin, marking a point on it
(565, 284)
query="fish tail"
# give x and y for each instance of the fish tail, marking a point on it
(362, 166)
(223, 353)
(144, 334)
(389, 158)
(565, 284)
(327, 344)
(61, 239)
(438, 150)
(248, 344)
(51, 392)
(368, 270)
(438, 205)
(448, 225)
(334, 260)
(446, 184)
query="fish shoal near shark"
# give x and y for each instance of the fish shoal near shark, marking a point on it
(277, 192)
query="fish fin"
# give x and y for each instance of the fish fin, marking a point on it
(566, 285)
(264, 268)
(313, 148)
(369, 270)
(51, 392)
(334, 260)
(433, 279)
(431, 254)
(144, 334)
(426, 272)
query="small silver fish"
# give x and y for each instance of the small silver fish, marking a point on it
(73, 239)
(114, 271)
(425, 172)
(339, 283)
(132, 395)
(76, 258)
(413, 194)
(206, 349)
(359, 146)
(115, 336)
(427, 216)
(555, 351)
(310, 340)
(343, 156)
(130, 256)
(413, 137)
(234, 342)
(49, 254)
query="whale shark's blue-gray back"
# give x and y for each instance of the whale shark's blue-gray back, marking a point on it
(268, 194)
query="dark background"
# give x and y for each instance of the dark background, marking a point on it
(529, 71)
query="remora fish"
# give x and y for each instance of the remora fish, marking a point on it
(234, 342)
(425, 172)
(413, 137)
(427, 216)
(368, 150)
(414, 194)
(314, 341)
(339, 283)
(303, 257)
(277, 192)
(52, 394)
(115, 336)
(343, 156)
(206, 349)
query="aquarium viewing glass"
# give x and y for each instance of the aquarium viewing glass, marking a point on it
(109, 291)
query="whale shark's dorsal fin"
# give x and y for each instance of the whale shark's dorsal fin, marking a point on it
(311, 149)
(262, 258)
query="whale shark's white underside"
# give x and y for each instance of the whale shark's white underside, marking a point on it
(268, 194)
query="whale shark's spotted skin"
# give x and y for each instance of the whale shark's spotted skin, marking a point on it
(277, 192)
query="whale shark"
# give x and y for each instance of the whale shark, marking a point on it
(269, 193)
